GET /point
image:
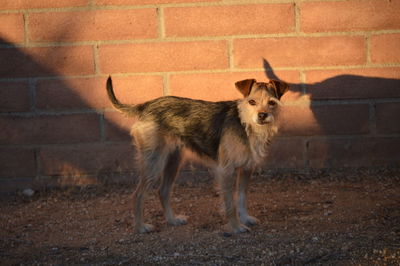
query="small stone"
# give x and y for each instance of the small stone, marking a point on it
(226, 234)
(28, 192)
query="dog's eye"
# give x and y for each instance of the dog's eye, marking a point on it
(271, 103)
(252, 102)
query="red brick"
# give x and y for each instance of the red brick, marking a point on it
(14, 97)
(74, 128)
(349, 15)
(93, 25)
(12, 28)
(324, 120)
(21, 4)
(17, 162)
(165, 56)
(86, 159)
(146, 2)
(46, 61)
(229, 20)
(286, 153)
(118, 126)
(353, 83)
(220, 86)
(84, 93)
(366, 152)
(300, 51)
(137, 89)
(388, 118)
(385, 48)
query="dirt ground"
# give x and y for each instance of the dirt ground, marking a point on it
(341, 218)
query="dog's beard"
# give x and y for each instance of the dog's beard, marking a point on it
(259, 135)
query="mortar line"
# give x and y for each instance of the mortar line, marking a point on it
(32, 95)
(338, 137)
(368, 48)
(62, 145)
(160, 23)
(146, 6)
(297, 17)
(102, 127)
(199, 38)
(209, 71)
(38, 163)
(372, 118)
(96, 61)
(127, 7)
(231, 54)
(166, 85)
(303, 81)
(26, 28)
(53, 112)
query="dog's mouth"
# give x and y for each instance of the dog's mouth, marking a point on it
(265, 121)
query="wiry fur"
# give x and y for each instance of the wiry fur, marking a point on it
(230, 136)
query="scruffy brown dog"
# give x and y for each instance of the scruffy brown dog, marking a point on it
(228, 136)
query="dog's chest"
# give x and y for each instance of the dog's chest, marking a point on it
(259, 144)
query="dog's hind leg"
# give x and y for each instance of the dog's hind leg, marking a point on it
(151, 159)
(139, 196)
(150, 171)
(170, 172)
(244, 177)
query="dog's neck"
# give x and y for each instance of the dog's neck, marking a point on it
(259, 138)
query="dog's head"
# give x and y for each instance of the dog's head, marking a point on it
(261, 100)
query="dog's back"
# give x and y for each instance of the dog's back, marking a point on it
(198, 124)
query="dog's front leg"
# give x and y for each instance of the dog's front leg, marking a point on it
(244, 177)
(227, 183)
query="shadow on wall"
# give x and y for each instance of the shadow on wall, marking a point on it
(50, 134)
(343, 121)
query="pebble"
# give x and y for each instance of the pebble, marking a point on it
(226, 234)
(28, 192)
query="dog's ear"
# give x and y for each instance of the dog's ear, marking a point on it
(244, 86)
(280, 87)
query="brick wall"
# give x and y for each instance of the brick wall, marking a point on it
(57, 126)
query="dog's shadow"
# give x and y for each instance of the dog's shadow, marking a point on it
(344, 120)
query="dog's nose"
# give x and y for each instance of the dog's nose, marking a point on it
(262, 116)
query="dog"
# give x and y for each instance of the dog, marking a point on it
(230, 137)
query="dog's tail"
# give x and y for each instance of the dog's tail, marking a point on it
(123, 108)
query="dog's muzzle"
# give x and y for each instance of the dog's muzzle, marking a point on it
(264, 118)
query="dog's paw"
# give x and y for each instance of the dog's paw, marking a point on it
(237, 229)
(240, 229)
(145, 228)
(178, 220)
(249, 220)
